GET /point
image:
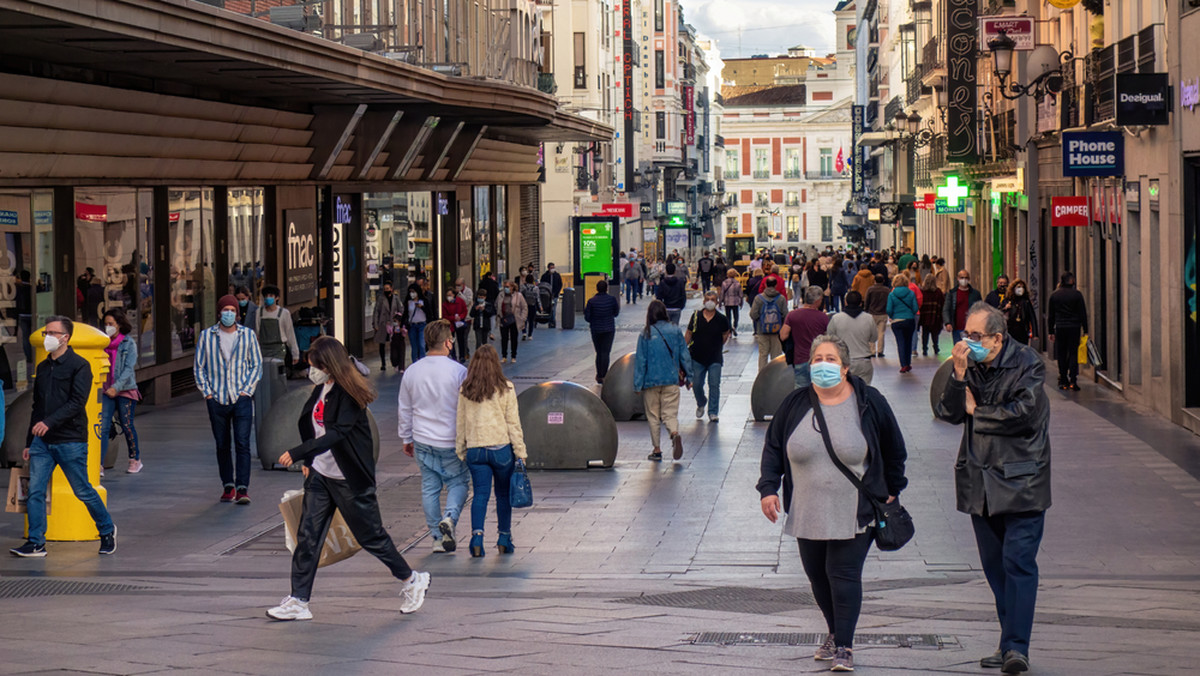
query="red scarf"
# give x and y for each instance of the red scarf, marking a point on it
(111, 350)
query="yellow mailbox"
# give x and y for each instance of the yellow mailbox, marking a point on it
(69, 519)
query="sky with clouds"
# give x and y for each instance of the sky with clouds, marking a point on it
(767, 26)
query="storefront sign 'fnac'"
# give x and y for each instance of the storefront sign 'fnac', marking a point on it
(301, 239)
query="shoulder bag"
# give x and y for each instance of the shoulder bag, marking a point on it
(682, 374)
(520, 493)
(893, 524)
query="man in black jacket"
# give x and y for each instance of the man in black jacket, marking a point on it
(672, 292)
(551, 277)
(1002, 474)
(1066, 322)
(58, 430)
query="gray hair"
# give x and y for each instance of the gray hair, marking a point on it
(813, 294)
(995, 322)
(843, 350)
(711, 292)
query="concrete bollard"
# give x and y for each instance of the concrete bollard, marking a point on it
(617, 391)
(279, 431)
(941, 379)
(773, 384)
(566, 426)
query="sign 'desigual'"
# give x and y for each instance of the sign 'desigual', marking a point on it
(1093, 153)
(1069, 212)
(1143, 99)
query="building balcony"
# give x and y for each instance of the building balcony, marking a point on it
(912, 83)
(546, 83)
(762, 173)
(792, 173)
(764, 204)
(823, 176)
(732, 175)
(933, 61)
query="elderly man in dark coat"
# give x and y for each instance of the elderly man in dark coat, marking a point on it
(1002, 474)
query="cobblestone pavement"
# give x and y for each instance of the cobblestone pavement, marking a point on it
(647, 568)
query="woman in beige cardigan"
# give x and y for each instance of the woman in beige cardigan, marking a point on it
(490, 441)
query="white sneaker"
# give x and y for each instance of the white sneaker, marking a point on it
(102, 471)
(713, 419)
(412, 594)
(699, 412)
(291, 608)
(504, 360)
(439, 546)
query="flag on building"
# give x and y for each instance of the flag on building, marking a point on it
(840, 164)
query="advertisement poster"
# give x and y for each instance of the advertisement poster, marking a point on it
(300, 230)
(675, 239)
(595, 247)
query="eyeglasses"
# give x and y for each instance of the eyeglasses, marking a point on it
(977, 336)
(56, 333)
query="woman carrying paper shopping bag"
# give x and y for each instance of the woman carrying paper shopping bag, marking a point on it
(337, 449)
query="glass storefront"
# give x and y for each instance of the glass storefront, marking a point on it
(26, 220)
(193, 294)
(245, 209)
(482, 224)
(502, 232)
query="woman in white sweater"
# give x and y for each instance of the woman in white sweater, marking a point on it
(490, 441)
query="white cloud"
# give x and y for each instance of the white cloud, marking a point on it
(767, 26)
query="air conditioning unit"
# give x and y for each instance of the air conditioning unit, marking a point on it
(368, 42)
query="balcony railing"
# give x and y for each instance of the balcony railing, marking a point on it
(792, 202)
(762, 173)
(929, 162)
(546, 83)
(912, 82)
(732, 175)
(718, 141)
(761, 203)
(823, 176)
(791, 173)
(933, 57)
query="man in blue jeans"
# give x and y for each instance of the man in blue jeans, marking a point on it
(57, 436)
(1002, 473)
(227, 369)
(428, 426)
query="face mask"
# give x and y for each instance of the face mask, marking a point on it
(710, 305)
(51, 343)
(269, 300)
(244, 302)
(110, 331)
(964, 283)
(1002, 289)
(449, 298)
(1019, 291)
(413, 295)
(978, 351)
(228, 317)
(825, 374)
(388, 293)
(317, 376)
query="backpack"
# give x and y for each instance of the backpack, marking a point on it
(771, 318)
(531, 296)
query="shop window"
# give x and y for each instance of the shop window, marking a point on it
(483, 231)
(761, 228)
(793, 228)
(24, 218)
(501, 196)
(112, 233)
(193, 293)
(246, 240)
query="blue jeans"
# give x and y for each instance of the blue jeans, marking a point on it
(903, 330)
(553, 311)
(835, 303)
(124, 407)
(238, 415)
(441, 467)
(713, 373)
(673, 315)
(416, 338)
(803, 378)
(1008, 547)
(488, 466)
(72, 458)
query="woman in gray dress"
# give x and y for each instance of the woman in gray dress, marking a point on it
(827, 515)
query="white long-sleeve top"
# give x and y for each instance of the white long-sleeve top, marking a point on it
(428, 401)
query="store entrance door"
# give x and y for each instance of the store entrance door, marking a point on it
(1191, 348)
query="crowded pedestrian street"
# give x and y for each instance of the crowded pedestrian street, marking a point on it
(646, 568)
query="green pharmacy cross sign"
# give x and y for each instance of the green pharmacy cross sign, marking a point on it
(952, 192)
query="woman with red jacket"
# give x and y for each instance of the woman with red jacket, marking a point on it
(454, 310)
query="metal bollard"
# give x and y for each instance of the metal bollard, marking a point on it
(771, 386)
(617, 391)
(566, 426)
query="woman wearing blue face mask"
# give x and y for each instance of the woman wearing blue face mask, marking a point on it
(826, 513)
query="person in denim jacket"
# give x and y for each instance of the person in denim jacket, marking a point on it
(661, 362)
(121, 393)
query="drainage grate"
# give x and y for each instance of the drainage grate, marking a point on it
(925, 641)
(749, 600)
(30, 588)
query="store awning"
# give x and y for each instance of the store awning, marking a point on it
(874, 138)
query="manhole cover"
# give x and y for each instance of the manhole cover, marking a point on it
(750, 600)
(926, 641)
(31, 588)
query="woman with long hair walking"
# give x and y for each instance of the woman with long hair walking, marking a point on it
(490, 441)
(661, 365)
(337, 452)
(121, 393)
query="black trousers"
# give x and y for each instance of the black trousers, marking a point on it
(509, 337)
(322, 496)
(1066, 351)
(481, 338)
(461, 334)
(732, 313)
(834, 568)
(603, 341)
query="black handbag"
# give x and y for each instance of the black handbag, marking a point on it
(893, 524)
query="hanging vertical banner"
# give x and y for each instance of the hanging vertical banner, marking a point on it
(962, 24)
(856, 174)
(689, 115)
(627, 48)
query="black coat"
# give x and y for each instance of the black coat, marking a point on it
(672, 292)
(1066, 310)
(347, 434)
(61, 388)
(886, 453)
(1004, 458)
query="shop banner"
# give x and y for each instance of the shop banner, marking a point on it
(928, 202)
(624, 210)
(596, 247)
(856, 129)
(689, 115)
(300, 278)
(943, 207)
(962, 57)
(1093, 153)
(1143, 99)
(1018, 28)
(1069, 212)
(96, 213)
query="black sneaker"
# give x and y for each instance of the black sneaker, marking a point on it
(108, 543)
(29, 550)
(243, 496)
(655, 456)
(1073, 387)
(1014, 662)
(993, 661)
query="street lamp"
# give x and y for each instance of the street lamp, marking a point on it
(1045, 65)
(915, 137)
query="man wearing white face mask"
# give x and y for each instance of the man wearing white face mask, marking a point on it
(57, 437)
(706, 335)
(227, 370)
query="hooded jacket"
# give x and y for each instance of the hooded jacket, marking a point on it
(1003, 464)
(672, 292)
(863, 281)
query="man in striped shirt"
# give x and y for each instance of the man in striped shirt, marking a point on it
(228, 368)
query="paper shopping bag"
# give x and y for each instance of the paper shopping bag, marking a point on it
(339, 542)
(1082, 357)
(18, 492)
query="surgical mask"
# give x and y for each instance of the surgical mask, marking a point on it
(51, 343)
(110, 330)
(1020, 291)
(413, 295)
(825, 374)
(244, 302)
(449, 298)
(710, 305)
(963, 282)
(269, 300)
(978, 351)
(317, 376)
(228, 317)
